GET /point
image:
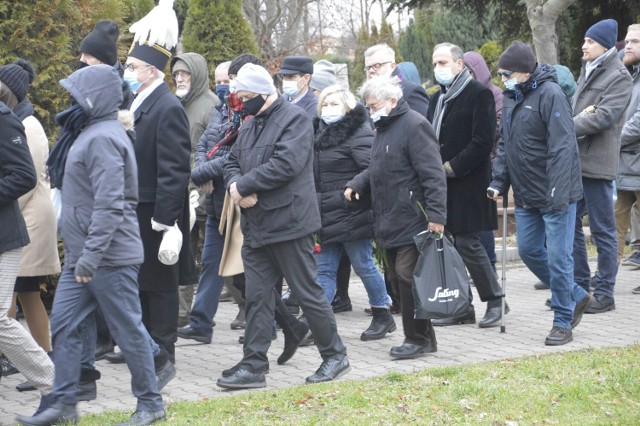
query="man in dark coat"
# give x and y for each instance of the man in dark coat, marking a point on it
(296, 74)
(380, 61)
(538, 159)
(269, 174)
(464, 119)
(163, 152)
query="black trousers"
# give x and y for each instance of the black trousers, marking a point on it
(477, 262)
(160, 317)
(263, 267)
(402, 262)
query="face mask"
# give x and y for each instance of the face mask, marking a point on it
(232, 86)
(131, 78)
(290, 88)
(252, 106)
(331, 114)
(81, 65)
(443, 75)
(382, 112)
(222, 90)
(511, 84)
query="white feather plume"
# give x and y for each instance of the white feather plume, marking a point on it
(159, 26)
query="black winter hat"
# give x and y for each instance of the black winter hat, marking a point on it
(242, 59)
(518, 57)
(102, 42)
(16, 78)
(296, 65)
(604, 33)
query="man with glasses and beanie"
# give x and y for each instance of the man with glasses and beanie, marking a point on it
(538, 159)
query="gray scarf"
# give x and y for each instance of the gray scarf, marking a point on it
(457, 86)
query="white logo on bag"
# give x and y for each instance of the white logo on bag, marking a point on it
(444, 293)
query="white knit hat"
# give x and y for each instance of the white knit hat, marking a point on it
(254, 78)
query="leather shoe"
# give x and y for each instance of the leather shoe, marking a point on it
(331, 369)
(468, 318)
(187, 332)
(411, 350)
(341, 304)
(293, 336)
(56, 413)
(581, 306)
(142, 418)
(103, 349)
(25, 387)
(231, 371)
(541, 286)
(601, 304)
(494, 314)
(242, 379)
(559, 336)
(165, 374)
(87, 390)
(115, 357)
(6, 368)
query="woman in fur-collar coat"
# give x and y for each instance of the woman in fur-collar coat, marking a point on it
(342, 150)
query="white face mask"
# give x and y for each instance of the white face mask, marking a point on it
(382, 112)
(511, 84)
(443, 75)
(290, 88)
(331, 114)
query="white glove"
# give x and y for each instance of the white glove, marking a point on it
(193, 205)
(169, 251)
(156, 226)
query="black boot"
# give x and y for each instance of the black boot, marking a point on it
(494, 313)
(87, 387)
(293, 329)
(56, 413)
(381, 324)
(468, 318)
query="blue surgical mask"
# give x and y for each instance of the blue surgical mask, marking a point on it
(511, 84)
(290, 88)
(331, 118)
(222, 90)
(443, 75)
(131, 78)
(382, 112)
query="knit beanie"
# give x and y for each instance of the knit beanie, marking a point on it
(16, 78)
(324, 75)
(102, 42)
(604, 33)
(518, 57)
(256, 79)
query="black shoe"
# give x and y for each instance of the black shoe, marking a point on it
(331, 369)
(87, 390)
(242, 379)
(292, 339)
(115, 358)
(541, 286)
(494, 314)
(57, 413)
(25, 387)
(548, 302)
(636, 290)
(581, 306)
(239, 323)
(341, 304)
(601, 304)
(231, 371)
(103, 349)
(632, 260)
(6, 367)
(411, 350)
(559, 336)
(291, 302)
(187, 332)
(165, 374)
(468, 318)
(381, 324)
(142, 418)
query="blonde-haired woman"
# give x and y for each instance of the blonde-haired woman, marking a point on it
(343, 138)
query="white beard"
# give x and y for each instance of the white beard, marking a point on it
(181, 93)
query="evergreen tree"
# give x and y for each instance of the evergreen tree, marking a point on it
(356, 70)
(416, 44)
(217, 30)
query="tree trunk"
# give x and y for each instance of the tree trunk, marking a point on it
(543, 15)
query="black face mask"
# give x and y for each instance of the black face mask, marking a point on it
(82, 65)
(253, 105)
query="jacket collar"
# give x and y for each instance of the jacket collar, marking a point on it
(151, 99)
(401, 108)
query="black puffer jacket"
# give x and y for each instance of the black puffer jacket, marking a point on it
(341, 151)
(538, 154)
(210, 169)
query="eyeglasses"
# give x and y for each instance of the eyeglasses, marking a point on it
(133, 67)
(505, 74)
(372, 109)
(182, 74)
(375, 67)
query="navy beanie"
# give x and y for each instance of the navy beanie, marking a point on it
(604, 33)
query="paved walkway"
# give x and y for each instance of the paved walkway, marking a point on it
(200, 365)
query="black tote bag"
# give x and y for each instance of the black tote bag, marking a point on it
(440, 281)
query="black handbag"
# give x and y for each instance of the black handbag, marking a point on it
(440, 281)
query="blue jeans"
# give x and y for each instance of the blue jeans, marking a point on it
(598, 204)
(115, 291)
(552, 263)
(360, 253)
(210, 285)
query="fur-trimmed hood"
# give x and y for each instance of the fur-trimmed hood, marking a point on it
(329, 135)
(126, 118)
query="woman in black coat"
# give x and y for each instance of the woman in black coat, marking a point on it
(342, 149)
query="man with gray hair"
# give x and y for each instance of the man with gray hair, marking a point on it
(269, 170)
(464, 118)
(380, 61)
